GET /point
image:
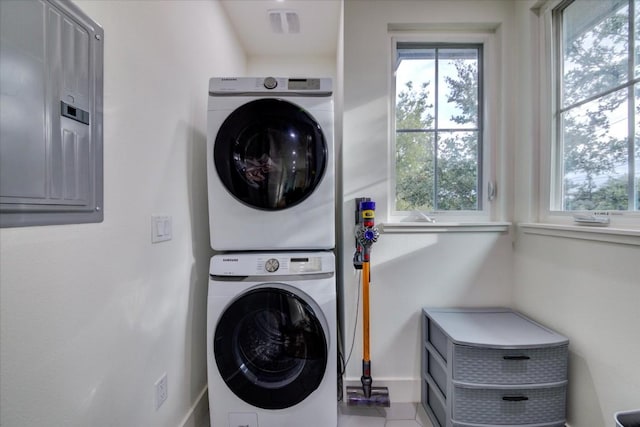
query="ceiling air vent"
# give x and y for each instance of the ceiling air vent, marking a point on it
(284, 21)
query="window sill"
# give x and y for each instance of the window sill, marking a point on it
(444, 227)
(621, 236)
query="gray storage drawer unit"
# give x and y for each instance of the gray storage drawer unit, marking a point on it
(492, 367)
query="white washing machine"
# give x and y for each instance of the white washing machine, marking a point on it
(271, 340)
(270, 164)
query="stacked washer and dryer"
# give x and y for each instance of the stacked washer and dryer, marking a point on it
(271, 316)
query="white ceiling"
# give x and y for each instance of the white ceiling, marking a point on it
(319, 26)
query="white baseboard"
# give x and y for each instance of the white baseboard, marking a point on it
(198, 414)
(400, 389)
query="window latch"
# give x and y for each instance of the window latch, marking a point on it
(492, 190)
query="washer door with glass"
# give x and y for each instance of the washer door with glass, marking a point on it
(270, 154)
(270, 348)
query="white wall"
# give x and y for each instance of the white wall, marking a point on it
(92, 315)
(589, 291)
(411, 271)
(292, 66)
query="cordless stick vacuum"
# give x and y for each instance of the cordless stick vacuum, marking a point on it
(366, 236)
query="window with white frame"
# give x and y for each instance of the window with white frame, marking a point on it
(438, 127)
(596, 153)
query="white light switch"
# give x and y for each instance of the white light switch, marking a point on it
(161, 228)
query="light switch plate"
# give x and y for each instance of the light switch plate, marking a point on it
(161, 228)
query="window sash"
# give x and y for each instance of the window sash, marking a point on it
(438, 52)
(558, 191)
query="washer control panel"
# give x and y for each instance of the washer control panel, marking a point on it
(290, 265)
(255, 264)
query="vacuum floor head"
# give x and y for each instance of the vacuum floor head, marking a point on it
(379, 397)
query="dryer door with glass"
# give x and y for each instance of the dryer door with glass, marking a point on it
(270, 154)
(270, 347)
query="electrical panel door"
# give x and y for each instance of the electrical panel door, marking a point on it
(51, 79)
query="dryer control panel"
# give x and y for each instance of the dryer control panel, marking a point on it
(244, 86)
(261, 264)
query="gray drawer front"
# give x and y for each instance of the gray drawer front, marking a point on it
(509, 406)
(521, 366)
(433, 405)
(437, 372)
(553, 424)
(437, 338)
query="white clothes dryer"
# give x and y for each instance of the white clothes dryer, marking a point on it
(270, 164)
(271, 340)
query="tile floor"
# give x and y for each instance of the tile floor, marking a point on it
(398, 415)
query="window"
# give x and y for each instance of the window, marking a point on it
(596, 157)
(438, 127)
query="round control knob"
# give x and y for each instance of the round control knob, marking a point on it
(270, 83)
(271, 265)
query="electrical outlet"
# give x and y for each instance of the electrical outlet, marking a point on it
(162, 390)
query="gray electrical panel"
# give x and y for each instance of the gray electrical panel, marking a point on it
(51, 85)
